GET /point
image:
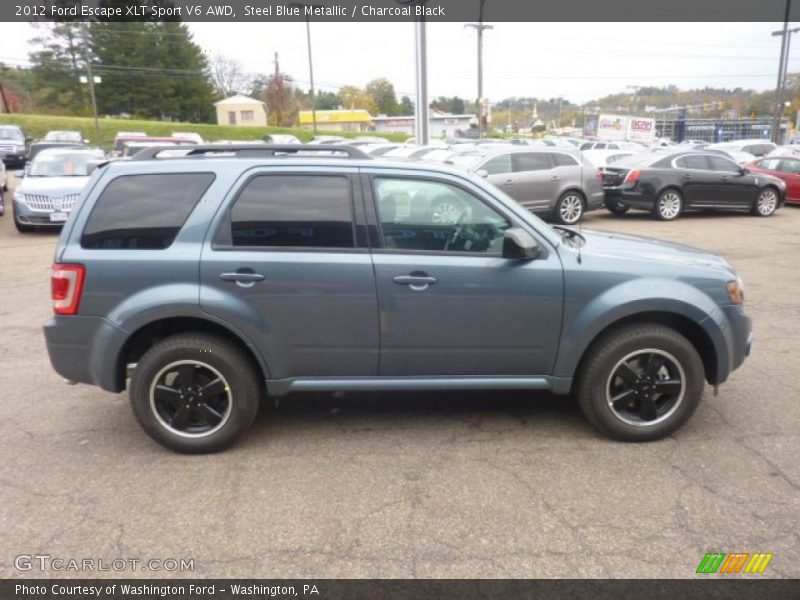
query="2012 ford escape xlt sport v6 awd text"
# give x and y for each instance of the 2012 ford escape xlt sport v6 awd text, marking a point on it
(206, 282)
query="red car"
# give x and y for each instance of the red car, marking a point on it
(782, 167)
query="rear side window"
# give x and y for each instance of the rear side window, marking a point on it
(312, 211)
(562, 160)
(143, 212)
(533, 161)
(790, 166)
(498, 165)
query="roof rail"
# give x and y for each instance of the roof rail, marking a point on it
(253, 150)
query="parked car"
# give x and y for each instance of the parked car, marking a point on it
(52, 187)
(13, 145)
(786, 168)
(281, 138)
(557, 183)
(189, 135)
(121, 141)
(667, 184)
(756, 147)
(601, 158)
(3, 188)
(202, 285)
(604, 145)
(378, 149)
(328, 139)
(65, 137)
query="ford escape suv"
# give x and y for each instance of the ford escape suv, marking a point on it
(204, 283)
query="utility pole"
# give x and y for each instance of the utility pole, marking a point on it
(311, 75)
(480, 27)
(90, 81)
(278, 79)
(778, 111)
(6, 108)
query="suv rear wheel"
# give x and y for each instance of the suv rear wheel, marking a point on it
(640, 383)
(194, 393)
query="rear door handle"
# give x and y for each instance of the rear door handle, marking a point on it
(555, 178)
(417, 283)
(687, 177)
(242, 278)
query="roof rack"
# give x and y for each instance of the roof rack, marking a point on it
(254, 151)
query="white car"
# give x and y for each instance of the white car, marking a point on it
(756, 147)
(52, 187)
(602, 158)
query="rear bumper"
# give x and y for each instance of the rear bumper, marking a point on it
(629, 197)
(595, 200)
(85, 350)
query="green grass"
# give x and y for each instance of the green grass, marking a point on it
(37, 125)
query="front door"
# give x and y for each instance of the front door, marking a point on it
(450, 304)
(286, 268)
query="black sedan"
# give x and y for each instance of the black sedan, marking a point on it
(666, 184)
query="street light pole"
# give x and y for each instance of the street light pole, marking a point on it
(311, 76)
(421, 120)
(480, 27)
(778, 111)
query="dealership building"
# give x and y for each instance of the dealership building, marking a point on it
(441, 124)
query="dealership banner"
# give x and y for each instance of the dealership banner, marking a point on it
(393, 589)
(398, 10)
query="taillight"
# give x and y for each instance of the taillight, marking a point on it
(632, 176)
(599, 175)
(66, 287)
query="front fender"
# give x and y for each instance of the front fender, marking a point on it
(636, 297)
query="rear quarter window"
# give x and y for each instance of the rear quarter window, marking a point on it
(143, 212)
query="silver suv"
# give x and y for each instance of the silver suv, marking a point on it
(206, 282)
(555, 183)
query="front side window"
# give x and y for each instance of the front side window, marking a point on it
(433, 216)
(695, 162)
(721, 164)
(312, 211)
(143, 212)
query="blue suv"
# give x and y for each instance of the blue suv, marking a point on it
(207, 282)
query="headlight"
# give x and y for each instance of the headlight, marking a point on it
(736, 291)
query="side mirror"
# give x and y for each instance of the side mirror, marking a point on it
(744, 171)
(19, 174)
(519, 244)
(482, 173)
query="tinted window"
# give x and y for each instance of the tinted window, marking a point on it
(693, 162)
(498, 165)
(294, 210)
(600, 146)
(143, 212)
(531, 162)
(613, 147)
(562, 160)
(770, 163)
(719, 163)
(586, 146)
(789, 165)
(432, 216)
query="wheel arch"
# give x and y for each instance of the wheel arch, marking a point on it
(691, 330)
(146, 335)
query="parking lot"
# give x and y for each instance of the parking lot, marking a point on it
(446, 485)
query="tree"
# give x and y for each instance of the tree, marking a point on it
(454, 105)
(406, 107)
(228, 76)
(57, 66)
(352, 97)
(383, 95)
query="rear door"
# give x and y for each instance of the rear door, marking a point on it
(536, 180)
(698, 182)
(289, 264)
(789, 171)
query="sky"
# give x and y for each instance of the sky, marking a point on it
(577, 61)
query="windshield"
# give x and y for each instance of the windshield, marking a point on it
(10, 134)
(63, 165)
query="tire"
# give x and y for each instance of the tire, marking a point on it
(570, 208)
(617, 207)
(166, 393)
(656, 402)
(766, 203)
(668, 206)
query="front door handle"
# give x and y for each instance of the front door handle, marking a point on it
(687, 177)
(555, 178)
(508, 182)
(418, 283)
(242, 278)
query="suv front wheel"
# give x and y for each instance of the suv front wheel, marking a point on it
(640, 383)
(194, 393)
